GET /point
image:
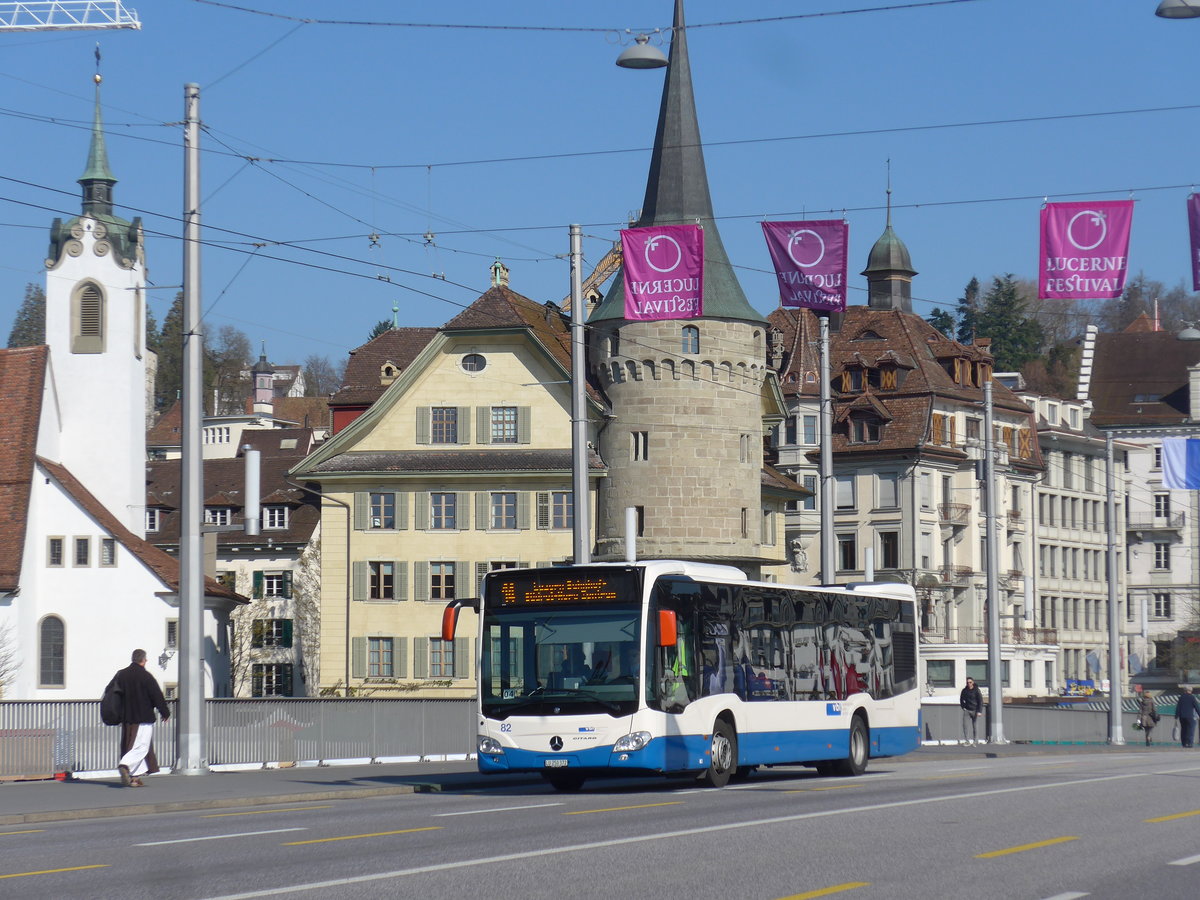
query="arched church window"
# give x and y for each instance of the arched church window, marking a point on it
(52, 652)
(87, 320)
(691, 339)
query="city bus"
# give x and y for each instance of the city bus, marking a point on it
(681, 668)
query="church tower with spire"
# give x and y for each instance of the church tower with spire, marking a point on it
(95, 329)
(684, 442)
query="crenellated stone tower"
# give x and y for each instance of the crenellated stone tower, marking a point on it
(684, 444)
(95, 328)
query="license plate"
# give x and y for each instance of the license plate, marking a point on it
(556, 763)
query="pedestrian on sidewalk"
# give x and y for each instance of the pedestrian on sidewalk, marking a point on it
(1147, 714)
(142, 696)
(971, 701)
(1186, 711)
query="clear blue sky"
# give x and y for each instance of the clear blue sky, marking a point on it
(381, 96)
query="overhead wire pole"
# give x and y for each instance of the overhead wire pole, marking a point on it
(828, 560)
(579, 450)
(191, 755)
(1115, 735)
(994, 666)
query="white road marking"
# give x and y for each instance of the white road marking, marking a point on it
(1186, 861)
(475, 812)
(1070, 895)
(659, 836)
(218, 837)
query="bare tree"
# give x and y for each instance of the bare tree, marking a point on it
(8, 658)
(306, 613)
(321, 377)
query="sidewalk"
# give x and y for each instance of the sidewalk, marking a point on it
(28, 802)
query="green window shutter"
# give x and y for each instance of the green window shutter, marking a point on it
(258, 585)
(462, 657)
(421, 500)
(462, 580)
(483, 424)
(523, 510)
(464, 424)
(420, 580)
(287, 680)
(400, 656)
(362, 510)
(422, 424)
(543, 510)
(256, 633)
(482, 513)
(401, 509)
(287, 584)
(400, 571)
(462, 510)
(358, 657)
(481, 569)
(287, 632)
(360, 581)
(523, 424)
(420, 657)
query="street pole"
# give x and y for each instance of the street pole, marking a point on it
(826, 500)
(995, 688)
(1115, 735)
(581, 511)
(191, 754)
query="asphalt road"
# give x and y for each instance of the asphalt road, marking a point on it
(1087, 825)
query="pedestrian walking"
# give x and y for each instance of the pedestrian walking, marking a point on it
(1147, 715)
(141, 697)
(971, 701)
(1187, 710)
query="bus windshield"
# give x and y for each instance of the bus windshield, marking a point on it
(560, 644)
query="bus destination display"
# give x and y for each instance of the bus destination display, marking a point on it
(572, 587)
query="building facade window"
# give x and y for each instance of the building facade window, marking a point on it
(381, 657)
(690, 339)
(441, 658)
(889, 490)
(271, 680)
(844, 492)
(1162, 606)
(153, 520)
(639, 445)
(474, 362)
(83, 551)
(54, 552)
(217, 515)
(275, 517)
(810, 484)
(939, 673)
(504, 510)
(271, 633)
(810, 429)
(441, 581)
(504, 425)
(562, 505)
(383, 580)
(443, 510)
(1162, 506)
(443, 425)
(108, 552)
(889, 549)
(1162, 556)
(847, 546)
(52, 652)
(383, 510)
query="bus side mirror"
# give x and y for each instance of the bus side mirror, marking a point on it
(668, 628)
(449, 621)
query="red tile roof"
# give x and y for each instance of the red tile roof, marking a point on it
(168, 430)
(22, 377)
(361, 382)
(1140, 377)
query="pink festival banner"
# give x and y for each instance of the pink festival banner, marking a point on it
(1084, 252)
(664, 272)
(810, 262)
(1194, 231)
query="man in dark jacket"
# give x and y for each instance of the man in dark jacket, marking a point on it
(141, 697)
(971, 701)
(1186, 711)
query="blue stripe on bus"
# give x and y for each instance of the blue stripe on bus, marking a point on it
(689, 753)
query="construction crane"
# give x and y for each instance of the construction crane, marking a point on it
(603, 271)
(67, 15)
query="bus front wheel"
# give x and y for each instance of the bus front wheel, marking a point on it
(723, 755)
(855, 762)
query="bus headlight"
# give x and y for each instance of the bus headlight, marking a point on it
(630, 742)
(489, 745)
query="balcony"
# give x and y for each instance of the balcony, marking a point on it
(953, 513)
(1015, 519)
(959, 575)
(974, 635)
(1173, 522)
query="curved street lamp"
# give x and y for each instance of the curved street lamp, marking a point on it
(1178, 9)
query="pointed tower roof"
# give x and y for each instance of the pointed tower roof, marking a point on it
(677, 191)
(889, 268)
(97, 161)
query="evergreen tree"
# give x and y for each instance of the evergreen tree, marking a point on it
(29, 325)
(169, 383)
(942, 320)
(1002, 316)
(968, 313)
(383, 326)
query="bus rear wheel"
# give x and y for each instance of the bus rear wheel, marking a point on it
(723, 755)
(855, 762)
(564, 782)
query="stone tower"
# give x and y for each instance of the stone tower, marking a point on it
(684, 445)
(95, 328)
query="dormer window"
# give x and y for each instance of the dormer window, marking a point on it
(864, 430)
(852, 380)
(217, 515)
(388, 372)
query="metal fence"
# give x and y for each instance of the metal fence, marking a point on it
(1032, 724)
(43, 738)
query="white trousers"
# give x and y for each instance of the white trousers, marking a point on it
(135, 759)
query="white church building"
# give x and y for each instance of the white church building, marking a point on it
(80, 587)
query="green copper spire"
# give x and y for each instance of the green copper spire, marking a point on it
(97, 180)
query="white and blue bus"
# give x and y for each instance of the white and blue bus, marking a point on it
(665, 667)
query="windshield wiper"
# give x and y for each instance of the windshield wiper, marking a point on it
(545, 695)
(582, 692)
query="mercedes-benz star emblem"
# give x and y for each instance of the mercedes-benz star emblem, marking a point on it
(556, 743)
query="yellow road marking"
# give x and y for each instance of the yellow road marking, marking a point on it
(354, 837)
(1184, 815)
(31, 831)
(584, 812)
(53, 871)
(825, 892)
(263, 812)
(1023, 847)
(832, 787)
